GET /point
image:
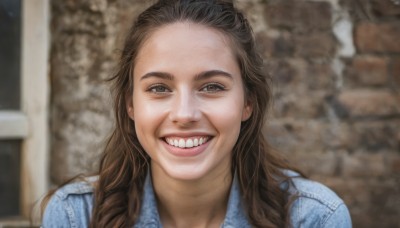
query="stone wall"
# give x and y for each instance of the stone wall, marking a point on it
(86, 42)
(335, 66)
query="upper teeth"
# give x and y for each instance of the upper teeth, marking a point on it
(186, 143)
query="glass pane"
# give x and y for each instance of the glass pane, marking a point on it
(10, 51)
(9, 177)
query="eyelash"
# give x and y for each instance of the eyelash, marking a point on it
(153, 88)
(218, 87)
(206, 88)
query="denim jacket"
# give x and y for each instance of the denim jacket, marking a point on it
(316, 206)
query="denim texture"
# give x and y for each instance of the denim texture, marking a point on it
(316, 206)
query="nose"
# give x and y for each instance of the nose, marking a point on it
(185, 110)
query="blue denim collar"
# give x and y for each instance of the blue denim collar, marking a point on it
(316, 206)
(149, 217)
(236, 215)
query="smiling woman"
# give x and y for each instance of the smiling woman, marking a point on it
(187, 149)
(191, 91)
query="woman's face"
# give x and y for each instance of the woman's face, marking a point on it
(188, 101)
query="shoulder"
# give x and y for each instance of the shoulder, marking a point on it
(80, 188)
(71, 205)
(316, 205)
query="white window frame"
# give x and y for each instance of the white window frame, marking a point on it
(31, 123)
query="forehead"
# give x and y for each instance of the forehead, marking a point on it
(185, 48)
(185, 40)
(179, 32)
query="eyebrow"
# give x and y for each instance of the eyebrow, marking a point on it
(162, 75)
(201, 76)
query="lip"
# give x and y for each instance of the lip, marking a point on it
(186, 152)
(186, 134)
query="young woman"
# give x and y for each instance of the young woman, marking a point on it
(188, 149)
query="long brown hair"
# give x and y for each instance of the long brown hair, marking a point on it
(124, 163)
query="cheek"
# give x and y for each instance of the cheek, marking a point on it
(146, 128)
(226, 116)
(146, 109)
(147, 118)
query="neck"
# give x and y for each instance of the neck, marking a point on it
(192, 203)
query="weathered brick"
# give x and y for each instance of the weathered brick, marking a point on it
(299, 15)
(283, 46)
(371, 136)
(291, 106)
(309, 136)
(357, 9)
(285, 73)
(264, 44)
(384, 202)
(86, 35)
(385, 8)
(329, 161)
(280, 46)
(377, 136)
(393, 162)
(293, 79)
(367, 71)
(378, 37)
(395, 71)
(320, 76)
(315, 45)
(338, 136)
(293, 136)
(362, 164)
(367, 103)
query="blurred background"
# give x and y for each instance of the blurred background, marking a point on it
(335, 67)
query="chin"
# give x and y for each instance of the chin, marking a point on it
(186, 173)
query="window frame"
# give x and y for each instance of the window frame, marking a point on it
(31, 123)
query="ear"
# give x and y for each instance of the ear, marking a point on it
(129, 107)
(247, 111)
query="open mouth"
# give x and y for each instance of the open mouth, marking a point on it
(187, 142)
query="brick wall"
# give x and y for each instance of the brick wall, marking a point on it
(335, 66)
(86, 41)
